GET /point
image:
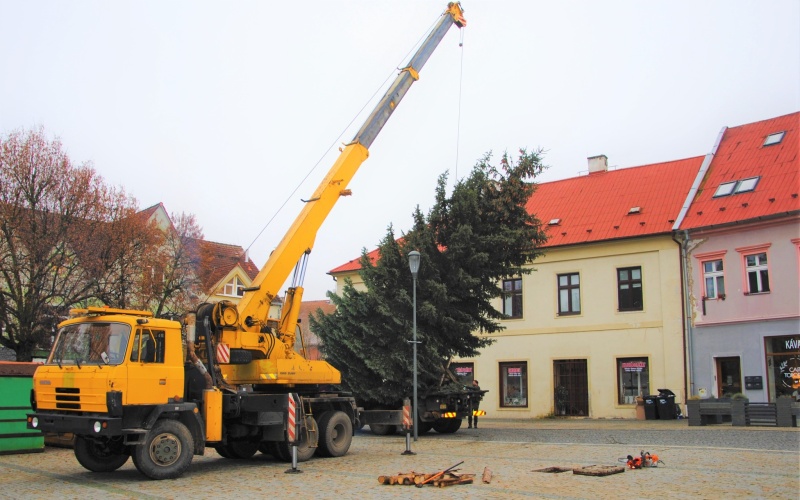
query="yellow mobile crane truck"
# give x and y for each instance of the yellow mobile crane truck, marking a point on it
(127, 384)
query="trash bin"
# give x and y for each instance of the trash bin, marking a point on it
(666, 407)
(650, 408)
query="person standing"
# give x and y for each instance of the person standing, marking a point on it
(474, 403)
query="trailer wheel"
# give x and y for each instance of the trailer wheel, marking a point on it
(335, 434)
(166, 452)
(100, 456)
(447, 425)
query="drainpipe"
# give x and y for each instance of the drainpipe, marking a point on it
(688, 332)
(683, 242)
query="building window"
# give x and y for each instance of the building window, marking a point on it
(714, 279)
(514, 384)
(757, 273)
(629, 288)
(234, 288)
(633, 379)
(512, 298)
(569, 294)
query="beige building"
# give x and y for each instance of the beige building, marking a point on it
(599, 320)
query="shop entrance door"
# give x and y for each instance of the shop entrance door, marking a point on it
(571, 379)
(729, 376)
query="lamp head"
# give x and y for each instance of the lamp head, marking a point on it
(413, 262)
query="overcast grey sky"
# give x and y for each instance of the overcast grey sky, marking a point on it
(220, 109)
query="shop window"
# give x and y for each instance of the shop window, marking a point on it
(633, 379)
(512, 298)
(713, 279)
(569, 294)
(783, 366)
(629, 288)
(757, 273)
(514, 384)
(464, 372)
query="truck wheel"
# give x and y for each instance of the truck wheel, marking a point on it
(281, 453)
(222, 451)
(424, 427)
(166, 452)
(383, 430)
(335, 434)
(99, 456)
(447, 425)
(241, 449)
(305, 446)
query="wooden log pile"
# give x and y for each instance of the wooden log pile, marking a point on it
(435, 479)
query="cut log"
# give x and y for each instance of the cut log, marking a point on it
(487, 476)
(598, 470)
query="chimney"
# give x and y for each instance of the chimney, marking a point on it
(598, 164)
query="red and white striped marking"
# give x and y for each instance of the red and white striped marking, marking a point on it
(407, 416)
(291, 424)
(223, 353)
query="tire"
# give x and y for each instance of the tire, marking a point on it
(166, 452)
(424, 427)
(100, 456)
(222, 451)
(335, 434)
(383, 430)
(281, 453)
(447, 425)
(305, 446)
(241, 449)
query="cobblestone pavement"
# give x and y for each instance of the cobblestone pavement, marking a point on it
(707, 462)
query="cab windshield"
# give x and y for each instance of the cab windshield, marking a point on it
(91, 344)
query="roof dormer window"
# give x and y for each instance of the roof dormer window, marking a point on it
(746, 185)
(725, 189)
(736, 187)
(775, 138)
(554, 222)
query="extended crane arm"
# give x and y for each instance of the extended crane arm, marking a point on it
(299, 239)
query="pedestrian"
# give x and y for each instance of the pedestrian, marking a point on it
(474, 402)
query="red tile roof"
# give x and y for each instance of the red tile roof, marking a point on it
(741, 154)
(596, 207)
(219, 259)
(355, 264)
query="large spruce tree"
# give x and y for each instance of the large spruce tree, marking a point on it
(469, 242)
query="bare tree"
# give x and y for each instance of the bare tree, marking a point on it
(53, 217)
(173, 280)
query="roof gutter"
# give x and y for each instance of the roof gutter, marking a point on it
(701, 174)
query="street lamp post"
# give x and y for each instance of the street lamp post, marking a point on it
(413, 263)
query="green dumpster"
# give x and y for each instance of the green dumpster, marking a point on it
(16, 381)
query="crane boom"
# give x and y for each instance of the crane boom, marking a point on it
(252, 310)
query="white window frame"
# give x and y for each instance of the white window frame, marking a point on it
(758, 267)
(717, 277)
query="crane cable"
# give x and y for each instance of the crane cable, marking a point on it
(391, 75)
